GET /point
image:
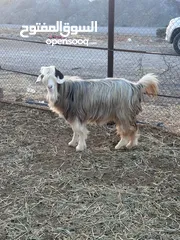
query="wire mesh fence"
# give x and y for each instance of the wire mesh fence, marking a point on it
(137, 51)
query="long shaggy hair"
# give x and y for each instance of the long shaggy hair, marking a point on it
(100, 101)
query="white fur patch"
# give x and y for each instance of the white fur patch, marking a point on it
(52, 90)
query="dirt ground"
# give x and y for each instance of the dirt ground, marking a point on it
(50, 192)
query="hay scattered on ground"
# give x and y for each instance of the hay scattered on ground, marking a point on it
(48, 191)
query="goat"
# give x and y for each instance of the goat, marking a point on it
(98, 101)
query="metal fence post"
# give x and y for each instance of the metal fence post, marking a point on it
(111, 38)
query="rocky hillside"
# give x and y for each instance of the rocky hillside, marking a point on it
(138, 13)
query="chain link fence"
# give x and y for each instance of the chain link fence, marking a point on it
(137, 51)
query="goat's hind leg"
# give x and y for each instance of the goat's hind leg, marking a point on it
(129, 137)
(134, 136)
(124, 138)
(122, 143)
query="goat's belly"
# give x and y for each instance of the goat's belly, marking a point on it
(101, 120)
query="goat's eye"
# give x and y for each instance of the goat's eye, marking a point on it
(42, 76)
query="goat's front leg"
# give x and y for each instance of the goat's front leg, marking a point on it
(79, 135)
(82, 142)
(74, 140)
(82, 138)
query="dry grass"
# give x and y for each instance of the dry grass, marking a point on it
(50, 192)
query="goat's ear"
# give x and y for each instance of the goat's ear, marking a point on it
(39, 79)
(58, 74)
(42, 69)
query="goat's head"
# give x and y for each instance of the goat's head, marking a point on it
(50, 82)
(51, 70)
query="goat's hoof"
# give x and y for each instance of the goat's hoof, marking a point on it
(72, 144)
(80, 148)
(119, 147)
(130, 145)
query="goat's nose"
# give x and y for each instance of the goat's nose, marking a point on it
(50, 87)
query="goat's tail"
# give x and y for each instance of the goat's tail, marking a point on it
(149, 84)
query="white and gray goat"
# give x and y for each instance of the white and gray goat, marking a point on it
(97, 101)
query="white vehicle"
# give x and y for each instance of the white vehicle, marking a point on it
(173, 33)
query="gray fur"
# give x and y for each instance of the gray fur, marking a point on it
(100, 101)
